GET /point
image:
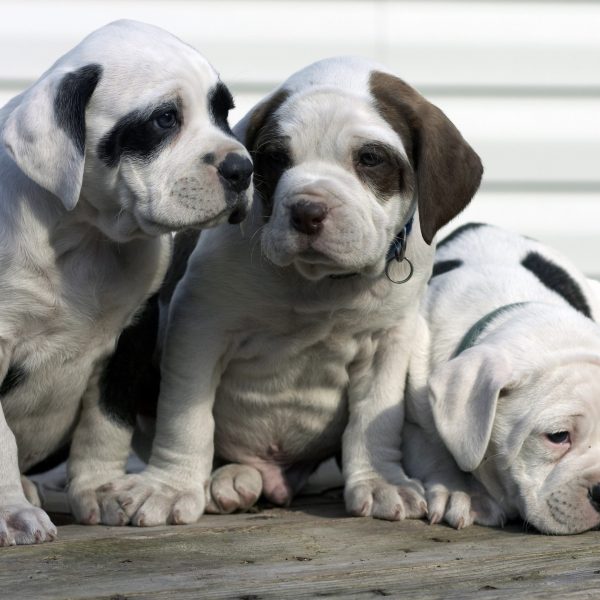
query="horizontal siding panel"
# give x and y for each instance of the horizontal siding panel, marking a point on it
(430, 43)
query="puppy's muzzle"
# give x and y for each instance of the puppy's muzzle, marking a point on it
(307, 217)
(236, 172)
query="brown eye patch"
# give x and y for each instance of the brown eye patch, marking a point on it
(381, 168)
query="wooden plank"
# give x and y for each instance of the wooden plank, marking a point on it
(312, 550)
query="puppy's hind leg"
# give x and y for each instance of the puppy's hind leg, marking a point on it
(233, 487)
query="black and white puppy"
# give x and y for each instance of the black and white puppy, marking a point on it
(123, 139)
(287, 342)
(504, 384)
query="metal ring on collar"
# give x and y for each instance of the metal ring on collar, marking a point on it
(410, 273)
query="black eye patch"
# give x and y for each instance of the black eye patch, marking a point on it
(220, 102)
(141, 133)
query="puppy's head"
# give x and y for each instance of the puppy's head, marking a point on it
(132, 123)
(342, 152)
(521, 410)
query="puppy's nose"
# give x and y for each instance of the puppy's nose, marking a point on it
(594, 496)
(236, 170)
(308, 217)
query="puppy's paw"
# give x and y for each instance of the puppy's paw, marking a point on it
(90, 507)
(377, 498)
(145, 501)
(22, 523)
(233, 487)
(463, 507)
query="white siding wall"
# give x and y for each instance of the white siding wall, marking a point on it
(521, 80)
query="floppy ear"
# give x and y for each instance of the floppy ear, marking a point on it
(448, 171)
(463, 394)
(45, 133)
(250, 127)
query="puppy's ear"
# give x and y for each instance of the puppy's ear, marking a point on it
(45, 133)
(448, 171)
(463, 394)
(249, 128)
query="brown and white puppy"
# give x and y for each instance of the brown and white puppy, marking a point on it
(286, 342)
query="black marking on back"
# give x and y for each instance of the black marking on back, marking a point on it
(443, 266)
(558, 280)
(14, 377)
(138, 135)
(131, 376)
(220, 102)
(74, 92)
(457, 232)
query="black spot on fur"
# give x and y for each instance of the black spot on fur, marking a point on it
(56, 458)
(220, 102)
(443, 266)
(558, 280)
(131, 377)
(73, 93)
(139, 135)
(14, 377)
(183, 246)
(457, 232)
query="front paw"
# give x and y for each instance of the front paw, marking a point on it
(233, 487)
(22, 523)
(461, 507)
(377, 498)
(145, 501)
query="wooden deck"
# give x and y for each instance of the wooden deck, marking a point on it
(312, 550)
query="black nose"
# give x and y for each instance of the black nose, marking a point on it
(236, 170)
(308, 217)
(594, 496)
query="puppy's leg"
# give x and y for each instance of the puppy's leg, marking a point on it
(31, 491)
(172, 488)
(99, 452)
(452, 495)
(20, 521)
(233, 487)
(375, 482)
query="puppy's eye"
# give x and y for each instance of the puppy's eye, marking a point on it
(370, 157)
(166, 120)
(560, 437)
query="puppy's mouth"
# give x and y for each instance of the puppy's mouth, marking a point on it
(231, 215)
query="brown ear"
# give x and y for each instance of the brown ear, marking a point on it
(448, 171)
(259, 117)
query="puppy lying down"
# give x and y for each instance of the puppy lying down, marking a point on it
(286, 342)
(503, 395)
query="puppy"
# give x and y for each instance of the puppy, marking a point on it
(503, 411)
(123, 139)
(289, 342)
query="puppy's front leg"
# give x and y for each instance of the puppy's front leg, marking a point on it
(172, 488)
(20, 521)
(375, 482)
(99, 452)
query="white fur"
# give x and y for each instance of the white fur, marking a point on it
(269, 362)
(80, 250)
(535, 370)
